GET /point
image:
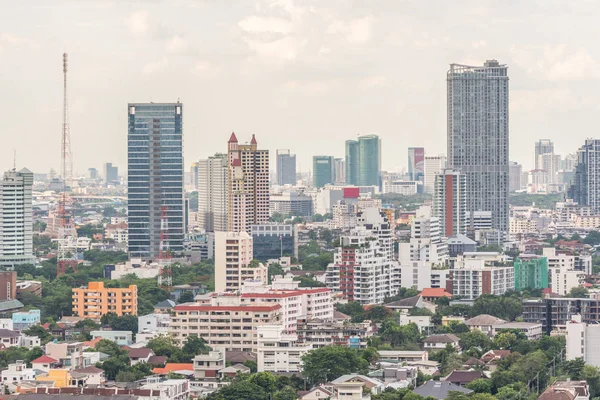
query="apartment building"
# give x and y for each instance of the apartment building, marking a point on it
(476, 274)
(96, 300)
(581, 263)
(319, 333)
(68, 354)
(555, 312)
(230, 327)
(233, 262)
(278, 351)
(582, 340)
(425, 244)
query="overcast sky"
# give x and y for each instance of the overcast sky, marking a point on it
(304, 75)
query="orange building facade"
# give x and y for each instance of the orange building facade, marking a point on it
(96, 300)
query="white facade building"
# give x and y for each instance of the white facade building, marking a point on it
(16, 373)
(582, 341)
(233, 259)
(16, 234)
(434, 165)
(278, 351)
(212, 193)
(425, 244)
(475, 274)
(406, 188)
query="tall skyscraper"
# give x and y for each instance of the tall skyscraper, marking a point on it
(478, 135)
(16, 235)
(369, 160)
(515, 172)
(416, 160)
(542, 146)
(286, 168)
(322, 170)
(339, 171)
(433, 166)
(450, 203)
(155, 178)
(212, 193)
(585, 189)
(111, 174)
(352, 162)
(247, 185)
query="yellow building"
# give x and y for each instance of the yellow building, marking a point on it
(60, 377)
(96, 300)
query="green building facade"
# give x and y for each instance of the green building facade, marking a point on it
(531, 273)
(352, 162)
(322, 170)
(369, 160)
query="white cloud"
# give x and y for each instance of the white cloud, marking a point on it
(139, 23)
(557, 62)
(205, 69)
(155, 66)
(372, 81)
(256, 24)
(355, 31)
(176, 44)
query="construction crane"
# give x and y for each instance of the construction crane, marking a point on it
(165, 275)
(66, 236)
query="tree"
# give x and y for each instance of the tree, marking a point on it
(480, 385)
(574, 368)
(274, 269)
(163, 346)
(87, 323)
(193, 346)
(505, 307)
(353, 309)
(475, 340)
(251, 364)
(591, 375)
(186, 297)
(39, 331)
(528, 366)
(287, 393)
(377, 313)
(120, 323)
(239, 390)
(265, 380)
(578, 292)
(330, 362)
(125, 376)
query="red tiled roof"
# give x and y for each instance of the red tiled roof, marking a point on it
(184, 307)
(170, 367)
(93, 342)
(44, 359)
(232, 138)
(435, 292)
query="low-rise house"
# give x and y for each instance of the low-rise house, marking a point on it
(164, 307)
(423, 322)
(30, 341)
(532, 330)
(492, 357)
(439, 389)
(25, 319)
(434, 294)
(178, 368)
(439, 342)
(317, 393)
(207, 367)
(428, 367)
(407, 375)
(158, 361)
(140, 355)
(68, 354)
(44, 363)
(16, 372)
(10, 338)
(462, 378)
(153, 324)
(352, 386)
(234, 370)
(567, 390)
(122, 338)
(405, 305)
(403, 355)
(484, 323)
(452, 319)
(87, 376)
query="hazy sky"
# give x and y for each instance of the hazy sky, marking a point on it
(304, 75)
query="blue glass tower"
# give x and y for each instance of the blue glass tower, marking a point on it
(155, 177)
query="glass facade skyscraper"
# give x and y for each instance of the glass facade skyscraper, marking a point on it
(322, 170)
(369, 160)
(155, 177)
(286, 168)
(478, 135)
(352, 162)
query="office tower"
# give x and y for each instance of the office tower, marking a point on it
(322, 171)
(92, 173)
(16, 235)
(352, 162)
(369, 160)
(542, 146)
(233, 262)
(286, 168)
(550, 164)
(515, 173)
(569, 162)
(212, 193)
(339, 171)
(194, 175)
(478, 135)
(155, 178)
(433, 166)
(247, 185)
(450, 203)
(111, 174)
(416, 159)
(585, 189)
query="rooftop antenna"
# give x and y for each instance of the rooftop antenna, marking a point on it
(15, 159)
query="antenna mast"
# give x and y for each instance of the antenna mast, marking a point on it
(66, 167)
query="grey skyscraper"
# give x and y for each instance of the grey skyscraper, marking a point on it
(515, 175)
(542, 146)
(111, 174)
(155, 177)
(286, 168)
(322, 170)
(585, 189)
(478, 135)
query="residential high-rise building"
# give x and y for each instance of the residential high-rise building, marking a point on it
(515, 173)
(450, 203)
(111, 174)
(542, 146)
(16, 234)
(339, 171)
(286, 168)
(433, 166)
(247, 185)
(550, 164)
(416, 163)
(478, 135)
(212, 193)
(155, 178)
(194, 175)
(352, 162)
(233, 262)
(531, 273)
(97, 300)
(369, 160)
(322, 170)
(585, 189)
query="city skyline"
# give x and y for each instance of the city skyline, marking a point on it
(344, 94)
